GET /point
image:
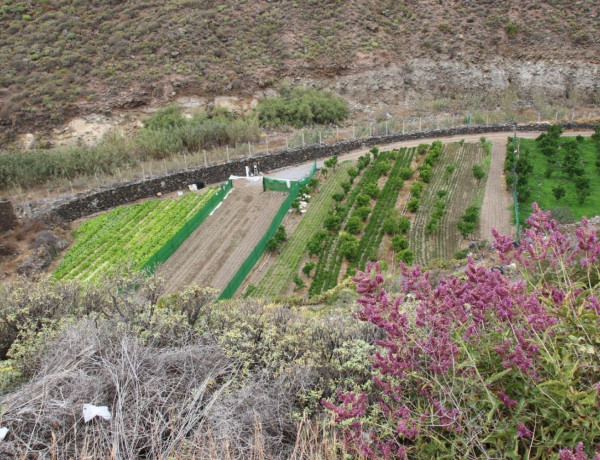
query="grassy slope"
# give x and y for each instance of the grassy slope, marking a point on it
(65, 57)
(542, 187)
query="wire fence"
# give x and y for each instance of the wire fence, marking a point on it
(269, 143)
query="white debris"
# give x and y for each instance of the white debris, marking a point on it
(90, 411)
(180, 193)
(193, 187)
(3, 433)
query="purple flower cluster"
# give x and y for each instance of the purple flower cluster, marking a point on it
(575, 454)
(428, 333)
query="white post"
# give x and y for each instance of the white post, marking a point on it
(97, 181)
(185, 161)
(205, 162)
(419, 123)
(371, 130)
(165, 164)
(337, 132)
(302, 138)
(249, 151)
(287, 142)
(353, 132)
(267, 142)
(120, 175)
(319, 137)
(227, 151)
(403, 126)
(386, 128)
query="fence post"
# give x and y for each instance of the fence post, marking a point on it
(353, 132)
(165, 163)
(337, 132)
(227, 151)
(287, 142)
(302, 137)
(402, 125)
(249, 150)
(419, 123)
(143, 172)
(386, 128)
(320, 138)
(267, 142)
(204, 153)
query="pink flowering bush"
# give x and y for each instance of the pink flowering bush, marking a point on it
(485, 365)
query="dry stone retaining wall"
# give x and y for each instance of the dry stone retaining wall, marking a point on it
(90, 202)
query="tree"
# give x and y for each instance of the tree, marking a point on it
(478, 172)
(354, 225)
(582, 188)
(331, 162)
(403, 224)
(465, 228)
(572, 159)
(413, 205)
(399, 243)
(558, 192)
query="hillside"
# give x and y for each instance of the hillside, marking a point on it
(64, 59)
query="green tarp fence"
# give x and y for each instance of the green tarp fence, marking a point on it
(188, 228)
(515, 197)
(259, 249)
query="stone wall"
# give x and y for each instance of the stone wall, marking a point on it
(8, 219)
(90, 202)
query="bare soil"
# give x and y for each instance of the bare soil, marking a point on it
(217, 249)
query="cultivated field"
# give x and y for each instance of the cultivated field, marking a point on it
(215, 251)
(128, 233)
(462, 190)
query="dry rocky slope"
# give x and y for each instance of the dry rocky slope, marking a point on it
(65, 59)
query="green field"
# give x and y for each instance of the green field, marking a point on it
(541, 186)
(131, 233)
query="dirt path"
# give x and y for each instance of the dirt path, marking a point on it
(216, 250)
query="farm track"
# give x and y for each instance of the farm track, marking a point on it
(215, 251)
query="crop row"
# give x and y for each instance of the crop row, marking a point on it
(357, 204)
(373, 234)
(128, 233)
(282, 272)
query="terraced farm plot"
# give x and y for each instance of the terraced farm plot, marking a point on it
(217, 249)
(279, 276)
(463, 190)
(128, 233)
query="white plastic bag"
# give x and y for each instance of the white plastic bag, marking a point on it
(3, 433)
(90, 411)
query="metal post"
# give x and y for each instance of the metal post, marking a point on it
(386, 128)
(319, 137)
(353, 132)
(337, 132)
(572, 115)
(287, 142)
(205, 162)
(302, 138)
(556, 116)
(371, 130)
(419, 123)
(403, 126)
(267, 142)
(120, 175)
(249, 151)
(97, 181)
(227, 150)
(165, 164)
(185, 161)
(143, 172)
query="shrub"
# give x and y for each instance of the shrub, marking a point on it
(461, 254)
(332, 223)
(390, 226)
(301, 107)
(406, 256)
(315, 244)
(413, 205)
(363, 200)
(308, 267)
(348, 246)
(275, 242)
(362, 212)
(372, 190)
(422, 149)
(399, 243)
(406, 173)
(403, 224)
(354, 225)
(416, 189)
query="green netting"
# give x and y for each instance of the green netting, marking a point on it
(188, 228)
(515, 197)
(259, 249)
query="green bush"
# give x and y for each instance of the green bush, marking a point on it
(413, 205)
(363, 200)
(416, 189)
(403, 224)
(354, 225)
(406, 173)
(277, 240)
(390, 226)
(399, 243)
(362, 212)
(308, 267)
(302, 107)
